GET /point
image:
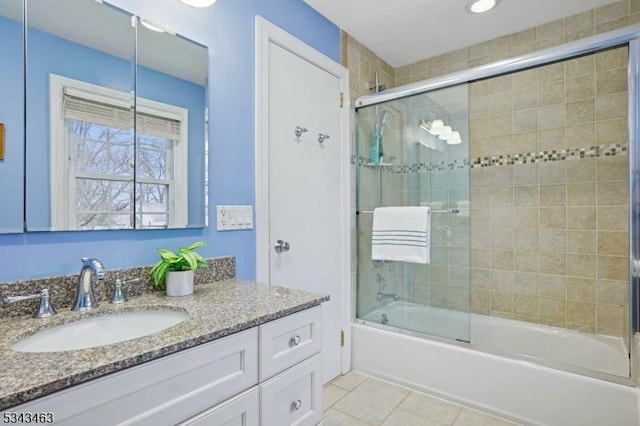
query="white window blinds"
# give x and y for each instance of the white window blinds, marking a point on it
(115, 113)
(158, 126)
(99, 113)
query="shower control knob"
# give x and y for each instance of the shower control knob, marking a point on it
(281, 246)
(295, 340)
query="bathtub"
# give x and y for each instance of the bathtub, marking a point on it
(601, 353)
(523, 391)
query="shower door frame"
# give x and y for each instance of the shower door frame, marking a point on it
(625, 36)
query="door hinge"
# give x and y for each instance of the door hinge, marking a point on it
(341, 337)
(341, 99)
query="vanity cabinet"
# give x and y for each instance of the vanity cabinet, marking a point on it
(293, 397)
(241, 410)
(268, 375)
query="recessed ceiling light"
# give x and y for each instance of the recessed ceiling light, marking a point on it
(198, 3)
(480, 6)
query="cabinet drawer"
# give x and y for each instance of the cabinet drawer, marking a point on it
(163, 391)
(241, 410)
(289, 340)
(293, 397)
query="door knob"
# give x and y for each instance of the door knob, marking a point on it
(281, 246)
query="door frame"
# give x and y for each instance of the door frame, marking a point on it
(265, 33)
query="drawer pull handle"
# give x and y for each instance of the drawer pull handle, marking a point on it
(295, 340)
(297, 404)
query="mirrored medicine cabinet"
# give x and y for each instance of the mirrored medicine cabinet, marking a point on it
(115, 115)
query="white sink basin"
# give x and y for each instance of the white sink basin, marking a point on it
(99, 331)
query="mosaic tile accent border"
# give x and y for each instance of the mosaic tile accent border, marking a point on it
(610, 150)
(63, 288)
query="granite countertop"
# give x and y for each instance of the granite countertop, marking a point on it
(215, 310)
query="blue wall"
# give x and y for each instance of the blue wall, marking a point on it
(49, 54)
(11, 114)
(228, 29)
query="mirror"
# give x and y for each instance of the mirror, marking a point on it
(92, 162)
(171, 100)
(11, 115)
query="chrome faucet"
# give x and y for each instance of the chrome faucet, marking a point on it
(382, 295)
(92, 269)
(386, 297)
(45, 308)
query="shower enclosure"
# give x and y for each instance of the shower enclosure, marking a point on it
(416, 167)
(525, 166)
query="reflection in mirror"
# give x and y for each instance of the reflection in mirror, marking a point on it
(86, 169)
(171, 94)
(80, 153)
(11, 115)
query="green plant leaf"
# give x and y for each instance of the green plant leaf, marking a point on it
(191, 259)
(159, 273)
(196, 245)
(168, 255)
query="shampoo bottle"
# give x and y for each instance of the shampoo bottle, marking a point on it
(374, 152)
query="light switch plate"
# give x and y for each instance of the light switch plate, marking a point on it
(231, 218)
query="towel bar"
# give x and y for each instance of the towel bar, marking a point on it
(452, 211)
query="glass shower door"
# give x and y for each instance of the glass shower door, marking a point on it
(414, 152)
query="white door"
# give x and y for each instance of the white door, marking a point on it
(306, 189)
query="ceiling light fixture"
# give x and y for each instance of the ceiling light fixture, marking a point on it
(481, 6)
(446, 134)
(437, 128)
(198, 3)
(455, 138)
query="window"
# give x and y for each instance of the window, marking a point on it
(100, 178)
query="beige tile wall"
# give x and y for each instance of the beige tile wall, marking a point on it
(549, 240)
(363, 64)
(594, 21)
(544, 247)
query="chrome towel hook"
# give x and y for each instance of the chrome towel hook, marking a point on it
(299, 131)
(322, 137)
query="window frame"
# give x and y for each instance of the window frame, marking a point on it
(61, 202)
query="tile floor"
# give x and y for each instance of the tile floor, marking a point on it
(358, 400)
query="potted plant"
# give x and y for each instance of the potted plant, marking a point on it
(175, 270)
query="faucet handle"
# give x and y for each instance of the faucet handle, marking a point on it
(45, 309)
(118, 296)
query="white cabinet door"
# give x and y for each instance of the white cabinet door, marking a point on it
(293, 397)
(163, 391)
(289, 340)
(241, 410)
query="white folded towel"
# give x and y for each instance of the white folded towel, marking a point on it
(401, 234)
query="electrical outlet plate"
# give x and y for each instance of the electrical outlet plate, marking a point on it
(231, 218)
